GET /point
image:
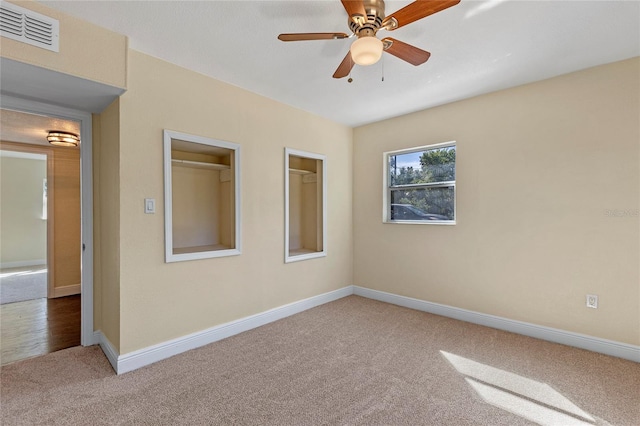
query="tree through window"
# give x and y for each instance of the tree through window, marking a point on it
(421, 184)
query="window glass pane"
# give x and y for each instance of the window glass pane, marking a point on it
(423, 203)
(432, 165)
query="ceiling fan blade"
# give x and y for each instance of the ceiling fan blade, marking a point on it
(417, 10)
(405, 51)
(345, 67)
(355, 8)
(311, 36)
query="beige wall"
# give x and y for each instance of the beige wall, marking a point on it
(227, 224)
(23, 230)
(295, 211)
(311, 219)
(539, 169)
(160, 301)
(305, 208)
(66, 222)
(86, 50)
(106, 225)
(195, 226)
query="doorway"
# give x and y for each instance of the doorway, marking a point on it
(23, 225)
(64, 317)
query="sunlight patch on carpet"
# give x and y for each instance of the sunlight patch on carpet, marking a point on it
(519, 395)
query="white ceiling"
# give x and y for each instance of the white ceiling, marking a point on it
(32, 128)
(476, 47)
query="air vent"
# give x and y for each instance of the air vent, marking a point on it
(29, 27)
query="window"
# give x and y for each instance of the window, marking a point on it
(44, 199)
(420, 185)
(202, 197)
(305, 205)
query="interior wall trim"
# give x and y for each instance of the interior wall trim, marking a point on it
(107, 348)
(23, 263)
(146, 356)
(140, 358)
(582, 341)
(31, 106)
(67, 290)
(35, 82)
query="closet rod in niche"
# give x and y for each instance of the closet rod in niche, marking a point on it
(198, 164)
(300, 171)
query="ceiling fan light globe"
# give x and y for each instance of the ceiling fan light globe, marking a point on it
(366, 50)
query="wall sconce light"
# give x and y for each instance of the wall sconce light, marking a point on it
(60, 138)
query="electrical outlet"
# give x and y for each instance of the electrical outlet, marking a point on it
(592, 301)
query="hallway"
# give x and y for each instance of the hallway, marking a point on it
(37, 327)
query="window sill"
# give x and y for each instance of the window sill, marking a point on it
(420, 222)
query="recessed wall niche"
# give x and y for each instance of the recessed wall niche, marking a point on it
(305, 205)
(202, 197)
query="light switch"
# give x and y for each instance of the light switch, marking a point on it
(149, 205)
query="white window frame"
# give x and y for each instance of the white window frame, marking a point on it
(387, 188)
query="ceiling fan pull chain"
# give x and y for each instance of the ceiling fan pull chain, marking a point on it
(382, 68)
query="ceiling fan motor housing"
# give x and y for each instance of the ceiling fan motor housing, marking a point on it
(368, 25)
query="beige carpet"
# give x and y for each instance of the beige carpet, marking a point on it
(350, 362)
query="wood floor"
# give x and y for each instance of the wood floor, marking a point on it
(37, 327)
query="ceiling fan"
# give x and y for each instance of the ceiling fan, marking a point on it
(366, 18)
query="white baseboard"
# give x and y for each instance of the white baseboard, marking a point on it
(146, 356)
(595, 344)
(67, 290)
(23, 263)
(136, 359)
(107, 348)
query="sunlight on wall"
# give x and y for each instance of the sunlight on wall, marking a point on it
(483, 7)
(20, 273)
(519, 395)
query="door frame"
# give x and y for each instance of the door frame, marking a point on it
(86, 198)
